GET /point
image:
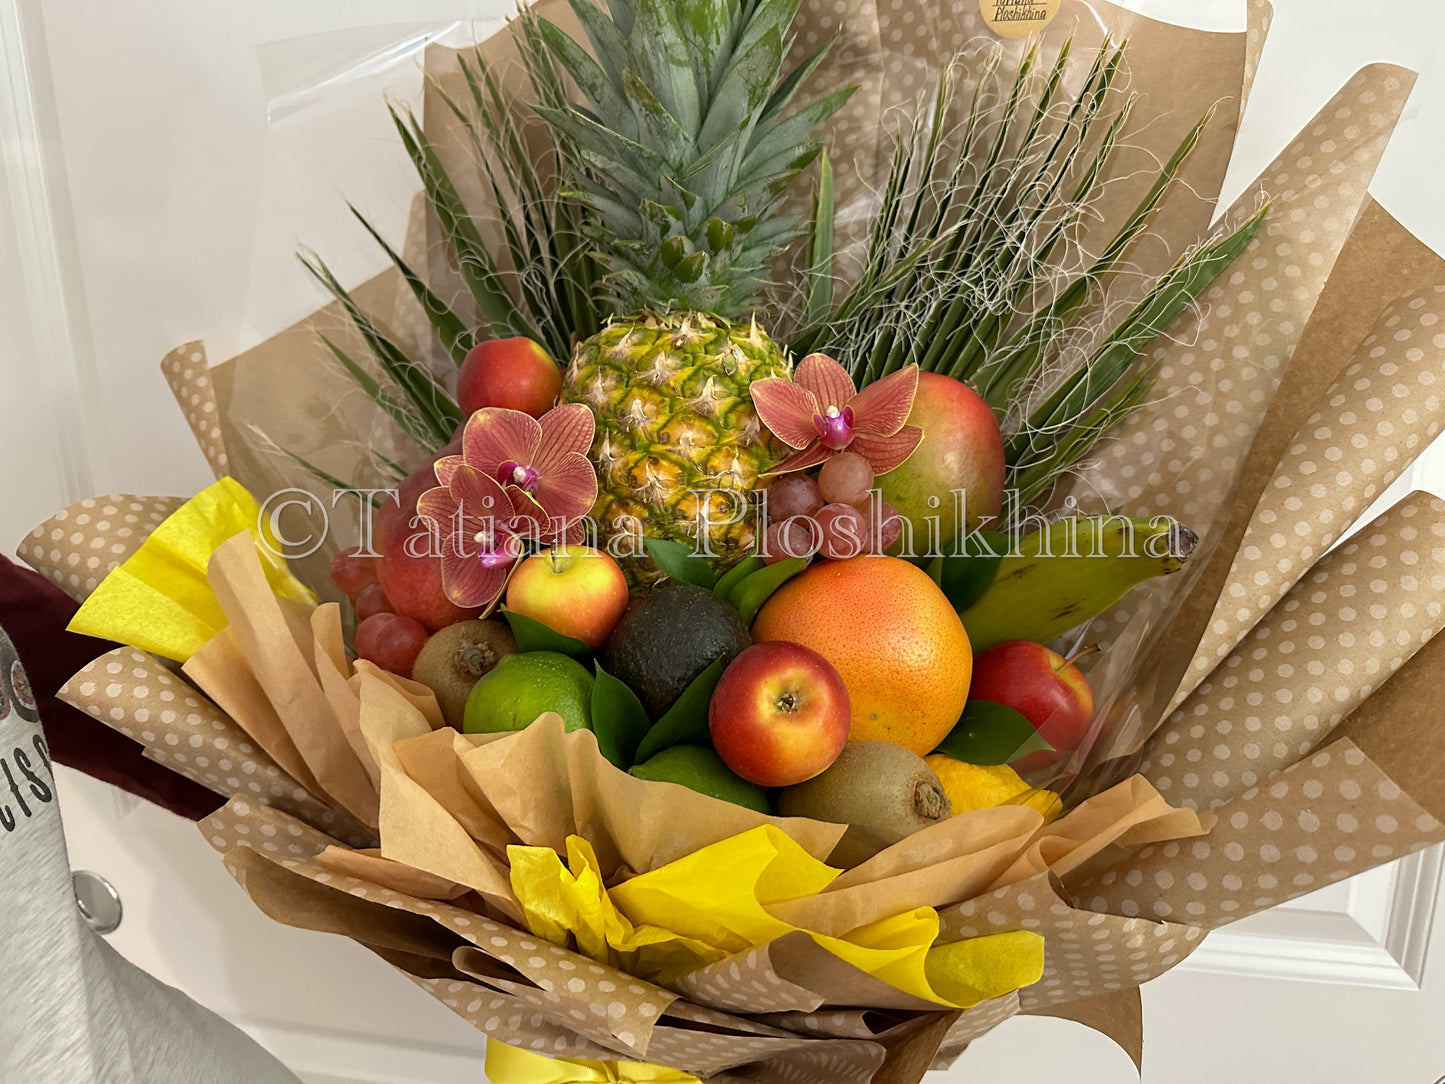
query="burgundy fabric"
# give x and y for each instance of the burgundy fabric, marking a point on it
(35, 612)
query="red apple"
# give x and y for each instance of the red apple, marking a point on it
(514, 373)
(577, 591)
(411, 575)
(780, 714)
(1041, 685)
(962, 449)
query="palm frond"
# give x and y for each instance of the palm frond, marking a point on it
(454, 334)
(540, 283)
(1086, 403)
(420, 406)
(983, 206)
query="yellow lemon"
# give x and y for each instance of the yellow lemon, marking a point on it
(982, 786)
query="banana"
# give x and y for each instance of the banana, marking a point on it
(1076, 568)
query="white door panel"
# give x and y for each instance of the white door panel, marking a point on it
(164, 159)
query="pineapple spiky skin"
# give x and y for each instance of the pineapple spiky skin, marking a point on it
(679, 447)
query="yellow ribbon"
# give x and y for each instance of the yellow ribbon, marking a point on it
(159, 599)
(714, 903)
(510, 1065)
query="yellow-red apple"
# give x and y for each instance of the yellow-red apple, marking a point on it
(1041, 685)
(577, 591)
(780, 714)
(515, 373)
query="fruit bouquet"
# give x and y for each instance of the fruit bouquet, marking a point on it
(844, 539)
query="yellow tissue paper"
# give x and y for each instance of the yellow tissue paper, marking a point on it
(511, 1065)
(159, 599)
(714, 903)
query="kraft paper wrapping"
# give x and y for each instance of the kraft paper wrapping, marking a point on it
(1118, 1014)
(138, 695)
(275, 638)
(1378, 415)
(79, 546)
(1086, 952)
(1359, 614)
(1220, 365)
(289, 394)
(1380, 262)
(1260, 18)
(416, 828)
(189, 378)
(525, 991)
(1325, 818)
(771, 978)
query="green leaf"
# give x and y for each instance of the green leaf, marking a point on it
(818, 275)
(607, 40)
(659, 56)
(680, 563)
(754, 590)
(410, 423)
(533, 635)
(735, 575)
(1035, 744)
(618, 719)
(449, 328)
(474, 261)
(778, 146)
(590, 77)
(990, 733)
(330, 479)
(685, 723)
(964, 577)
(789, 84)
(437, 412)
(745, 88)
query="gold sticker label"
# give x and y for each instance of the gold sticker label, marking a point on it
(1018, 18)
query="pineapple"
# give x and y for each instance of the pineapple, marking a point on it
(683, 158)
(678, 442)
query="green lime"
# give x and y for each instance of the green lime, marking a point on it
(702, 770)
(523, 686)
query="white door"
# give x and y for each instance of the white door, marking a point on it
(162, 162)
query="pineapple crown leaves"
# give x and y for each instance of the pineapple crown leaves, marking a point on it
(684, 144)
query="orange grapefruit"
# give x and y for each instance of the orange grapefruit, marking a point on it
(892, 636)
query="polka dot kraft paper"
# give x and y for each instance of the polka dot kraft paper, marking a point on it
(189, 377)
(1354, 619)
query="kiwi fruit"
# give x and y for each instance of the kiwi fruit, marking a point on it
(454, 658)
(667, 638)
(880, 790)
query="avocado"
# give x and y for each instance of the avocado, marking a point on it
(667, 638)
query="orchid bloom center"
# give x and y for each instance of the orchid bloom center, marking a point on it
(835, 427)
(524, 478)
(493, 548)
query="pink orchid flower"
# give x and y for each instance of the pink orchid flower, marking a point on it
(518, 479)
(542, 459)
(820, 413)
(475, 522)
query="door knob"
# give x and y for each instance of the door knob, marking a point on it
(97, 899)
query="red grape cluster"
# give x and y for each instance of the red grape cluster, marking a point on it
(836, 514)
(387, 639)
